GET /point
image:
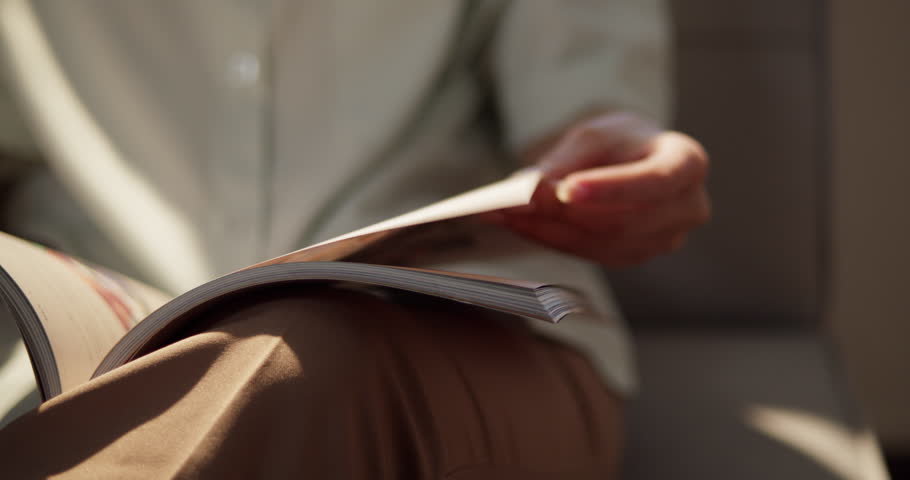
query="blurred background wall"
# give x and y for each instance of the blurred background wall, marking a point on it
(767, 85)
(870, 292)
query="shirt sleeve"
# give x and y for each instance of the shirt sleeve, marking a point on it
(553, 60)
(18, 149)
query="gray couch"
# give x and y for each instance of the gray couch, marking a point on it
(738, 377)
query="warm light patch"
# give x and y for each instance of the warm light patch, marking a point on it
(845, 453)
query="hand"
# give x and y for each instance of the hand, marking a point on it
(617, 190)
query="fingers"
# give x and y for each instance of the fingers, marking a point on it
(675, 164)
(613, 252)
(690, 210)
(555, 234)
(617, 238)
(617, 190)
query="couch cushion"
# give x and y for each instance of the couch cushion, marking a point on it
(744, 406)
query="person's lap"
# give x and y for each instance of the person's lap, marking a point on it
(332, 384)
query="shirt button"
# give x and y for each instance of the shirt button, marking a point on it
(243, 69)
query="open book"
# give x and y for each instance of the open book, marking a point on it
(79, 321)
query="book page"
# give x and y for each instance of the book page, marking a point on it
(512, 191)
(84, 310)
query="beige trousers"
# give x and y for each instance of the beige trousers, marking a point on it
(331, 384)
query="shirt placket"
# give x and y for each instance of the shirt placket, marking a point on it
(239, 162)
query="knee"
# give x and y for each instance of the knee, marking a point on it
(316, 335)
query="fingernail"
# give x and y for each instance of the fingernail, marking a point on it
(563, 192)
(568, 192)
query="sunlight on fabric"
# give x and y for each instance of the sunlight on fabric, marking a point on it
(847, 454)
(152, 232)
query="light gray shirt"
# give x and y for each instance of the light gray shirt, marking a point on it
(201, 136)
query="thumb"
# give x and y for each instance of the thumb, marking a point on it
(581, 148)
(599, 141)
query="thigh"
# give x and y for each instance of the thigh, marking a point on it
(504, 403)
(332, 384)
(436, 389)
